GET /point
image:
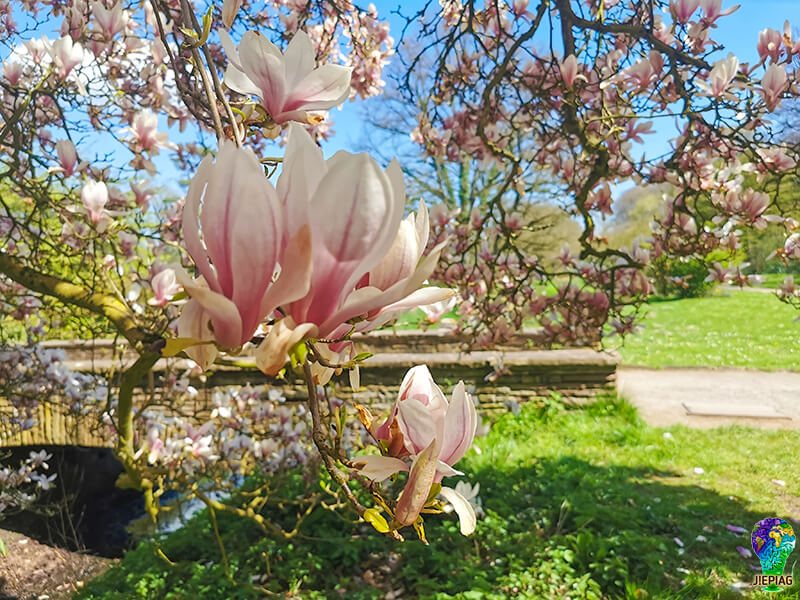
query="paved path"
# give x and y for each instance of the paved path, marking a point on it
(758, 290)
(722, 396)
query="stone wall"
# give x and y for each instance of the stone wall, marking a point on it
(577, 374)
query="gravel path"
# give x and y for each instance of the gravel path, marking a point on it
(705, 397)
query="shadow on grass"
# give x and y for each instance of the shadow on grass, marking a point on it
(553, 529)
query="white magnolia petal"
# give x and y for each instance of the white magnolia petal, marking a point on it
(378, 468)
(239, 82)
(460, 423)
(466, 514)
(193, 323)
(323, 88)
(416, 423)
(298, 60)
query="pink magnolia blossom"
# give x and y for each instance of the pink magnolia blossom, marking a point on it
(141, 194)
(240, 247)
(718, 273)
(110, 21)
(570, 71)
(431, 432)
(792, 46)
(94, 196)
(682, 10)
(38, 49)
(66, 55)
(287, 84)
(146, 137)
(434, 312)
(791, 247)
(164, 287)
(644, 72)
(354, 210)
(721, 75)
(367, 261)
(712, 10)
(770, 42)
(67, 156)
(773, 84)
(12, 71)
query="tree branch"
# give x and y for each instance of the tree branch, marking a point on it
(105, 305)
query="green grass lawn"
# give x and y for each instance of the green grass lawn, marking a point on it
(741, 329)
(582, 503)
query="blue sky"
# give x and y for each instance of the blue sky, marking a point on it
(737, 32)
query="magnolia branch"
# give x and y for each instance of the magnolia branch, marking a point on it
(105, 305)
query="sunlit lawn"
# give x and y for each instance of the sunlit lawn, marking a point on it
(588, 503)
(741, 329)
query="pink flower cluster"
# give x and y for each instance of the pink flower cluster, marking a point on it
(327, 246)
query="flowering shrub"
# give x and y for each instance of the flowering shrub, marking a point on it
(290, 267)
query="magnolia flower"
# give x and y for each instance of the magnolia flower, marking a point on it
(287, 84)
(240, 247)
(712, 10)
(164, 287)
(110, 21)
(353, 209)
(682, 10)
(773, 85)
(431, 432)
(38, 49)
(770, 42)
(141, 194)
(66, 55)
(367, 261)
(721, 75)
(434, 312)
(718, 273)
(67, 156)
(569, 70)
(12, 71)
(146, 137)
(470, 493)
(229, 10)
(94, 196)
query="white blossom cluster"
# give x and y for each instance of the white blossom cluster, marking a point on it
(18, 486)
(30, 374)
(248, 430)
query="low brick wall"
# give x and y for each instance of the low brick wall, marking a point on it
(576, 374)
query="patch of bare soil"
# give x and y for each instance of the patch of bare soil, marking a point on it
(34, 571)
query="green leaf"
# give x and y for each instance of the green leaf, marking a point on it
(435, 489)
(297, 355)
(190, 33)
(3, 549)
(175, 346)
(362, 356)
(374, 517)
(208, 20)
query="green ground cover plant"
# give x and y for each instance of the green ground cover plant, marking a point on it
(727, 328)
(579, 503)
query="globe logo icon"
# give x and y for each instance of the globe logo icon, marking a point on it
(773, 540)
